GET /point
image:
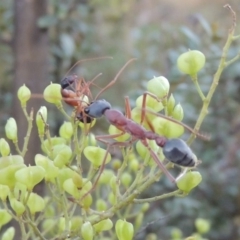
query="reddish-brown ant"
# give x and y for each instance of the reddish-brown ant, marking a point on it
(78, 89)
(175, 150)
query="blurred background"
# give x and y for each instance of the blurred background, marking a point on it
(41, 40)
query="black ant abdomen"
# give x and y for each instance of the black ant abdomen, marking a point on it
(179, 153)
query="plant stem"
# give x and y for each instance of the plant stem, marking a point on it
(195, 81)
(26, 139)
(214, 84)
(156, 198)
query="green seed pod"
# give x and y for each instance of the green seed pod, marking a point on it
(62, 155)
(139, 220)
(189, 181)
(176, 234)
(112, 198)
(116, 164)
(91, 140)
(64, 174)
(86, 202)
(87, 231)
(35, 203)
(23, 94)
(119, 228)
(66, 130)
(145, 207)
(151, 103)
(49, 225)
(126, 179)
(128, 231)
(191, 62)
(64, 150)
(106, 176)
(4, 147)
(96, 155)
(134, 165)
(114, 183)
(167, 128)
(159, 86)
(52, 93)
(62, 225)
(103, 225)
(9, 234)
(49, 211)
(101, 205)
(112, 130)
(195, 236)
(4, 192)
(11, 129)
(87, 185)
(170, 104)
(10, 160)
(17, 206)
(7, 174)
(202, 225)
(41, 119)
(77, 180)
(177, 112)
(124, 230)
(71, 188)
(47, 145)
(153, 236)
(76, 223)
(30, 176)
(49, 167)
(5, 217)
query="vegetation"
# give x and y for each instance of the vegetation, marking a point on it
(85, 198)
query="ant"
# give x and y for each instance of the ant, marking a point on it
(176, 150)
(76, 92)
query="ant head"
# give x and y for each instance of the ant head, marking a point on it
(97, 108)
(68, 81)
(79, 84)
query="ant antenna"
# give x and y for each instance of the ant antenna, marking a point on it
(116, 77)
(87, 60)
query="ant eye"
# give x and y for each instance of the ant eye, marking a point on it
(86, 110)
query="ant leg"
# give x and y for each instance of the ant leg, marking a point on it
(158, 162)
(127, 108)
(99, 174)
(101, 138)
(200, 135)
(86, 86)
(109, 145)
(143, 110)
